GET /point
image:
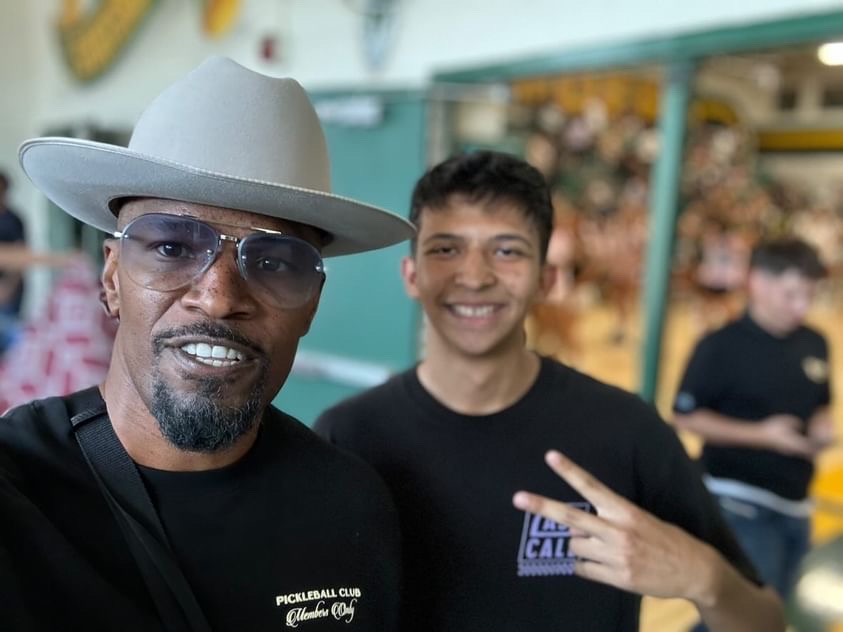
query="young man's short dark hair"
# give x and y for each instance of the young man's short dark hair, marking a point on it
(777, 256)
(487, 176)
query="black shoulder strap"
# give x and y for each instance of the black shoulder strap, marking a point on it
(121, 484)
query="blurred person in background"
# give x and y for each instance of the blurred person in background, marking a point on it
(11, 279)
(63, 345)
(553, 318)
(720, 272)
(757, 392)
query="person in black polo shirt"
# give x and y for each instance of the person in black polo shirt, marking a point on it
(757, 391)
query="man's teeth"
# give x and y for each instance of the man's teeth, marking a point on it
(474, 311)
(213, 355)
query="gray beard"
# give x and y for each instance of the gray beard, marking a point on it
(200, 422)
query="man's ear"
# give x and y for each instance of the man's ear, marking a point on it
(110, 281)
(408, 274)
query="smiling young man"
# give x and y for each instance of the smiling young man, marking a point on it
(174, 496)
(460, 436)
(758, 392)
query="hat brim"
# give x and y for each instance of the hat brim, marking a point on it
(85, 177)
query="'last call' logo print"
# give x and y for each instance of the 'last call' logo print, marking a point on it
(337, 604)
(544, 545)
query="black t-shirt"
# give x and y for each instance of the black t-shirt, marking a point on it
(744, 372)
(11, 227)
(287, 532)
(474, 562)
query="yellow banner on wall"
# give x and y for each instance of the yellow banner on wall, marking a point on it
(620, 93)
(220, 16)
(801, 140)
(92, 37)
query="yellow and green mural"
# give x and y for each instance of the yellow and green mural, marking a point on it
(93, 34)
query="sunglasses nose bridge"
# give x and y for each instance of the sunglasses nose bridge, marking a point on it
(221, 239)
(212, 253)
(239, 256)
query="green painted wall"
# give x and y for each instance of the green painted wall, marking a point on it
(364, 314)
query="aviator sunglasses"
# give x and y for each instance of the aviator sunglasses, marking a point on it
(169, 252)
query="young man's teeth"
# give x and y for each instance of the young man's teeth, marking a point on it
(213, 355)
(470, 311)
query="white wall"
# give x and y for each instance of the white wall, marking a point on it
(320, 41)
(456, 33)
(20, 60)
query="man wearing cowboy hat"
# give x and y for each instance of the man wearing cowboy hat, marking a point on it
(174, 496)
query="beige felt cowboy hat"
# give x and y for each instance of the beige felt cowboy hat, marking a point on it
(224, 136)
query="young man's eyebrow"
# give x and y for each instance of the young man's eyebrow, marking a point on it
(501, 237)
(436, 236)
(511, 236)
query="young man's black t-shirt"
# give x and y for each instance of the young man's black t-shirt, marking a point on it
(295, 535)
(744, 372)
(475, 563)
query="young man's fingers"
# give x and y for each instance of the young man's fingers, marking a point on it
(597, 572)
(583, 522)
(584, 483)
(592, 550)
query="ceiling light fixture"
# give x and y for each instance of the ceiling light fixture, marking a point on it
(831, 54)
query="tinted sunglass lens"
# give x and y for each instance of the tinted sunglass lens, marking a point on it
(288, 270)
(166, 252)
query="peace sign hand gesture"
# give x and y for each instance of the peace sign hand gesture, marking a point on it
(629, 548)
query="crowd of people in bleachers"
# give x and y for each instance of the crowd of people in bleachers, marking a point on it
(599, 167)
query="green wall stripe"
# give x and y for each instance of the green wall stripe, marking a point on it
(720, 41)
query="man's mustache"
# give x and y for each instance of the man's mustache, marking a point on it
(208, 329)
